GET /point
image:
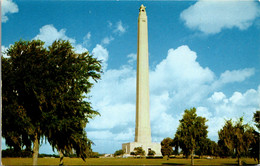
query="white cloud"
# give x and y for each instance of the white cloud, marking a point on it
(114, 95)
(233, 76)
(79, 48)
(236, 75)
(210, 16)
(86, 39)
(217, 97)
(49, 34)
(88, 36)
(101, 53)
(237, 104)
(163, 124)
(109, 24)
(107, 40)
(181, 75)
(236, 97)
(8, 7)
(223, 108)
(250, 97)
(204, 112)
(4, 49)
(177, 83)
(132, 58)
(120, 28)
(215, 123)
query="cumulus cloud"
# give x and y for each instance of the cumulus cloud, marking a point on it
(177, 83)
(120, 29)
(204, 112)
(160, 104)
(131, 58)
(49, 34)
(210, 16)
(117, 30)
(182, 75)
(4, 49)
(233, 76)
(114, 97)
(236, 75)
(107, 40)
(86, 39)
(101, 53)
(237, 105)
(217, 97)
(8, 7)
(109, 24)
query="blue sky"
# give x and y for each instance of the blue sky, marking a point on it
(202, 54)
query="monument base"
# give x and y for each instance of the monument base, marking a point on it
(129, 147)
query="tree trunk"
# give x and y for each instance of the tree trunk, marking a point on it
(239, 161)
(258, 156)
(35, 149)
(61, 158)
(192, 157)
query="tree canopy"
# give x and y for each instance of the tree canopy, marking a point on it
(191, 133)
(256, 119)
(254, 147)
(139, 151)
(119, 152)
(45, 96)
(237, 137)
(166, 147)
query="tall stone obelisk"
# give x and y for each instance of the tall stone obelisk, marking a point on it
(142, 128)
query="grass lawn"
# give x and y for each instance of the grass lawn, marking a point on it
(127, 161)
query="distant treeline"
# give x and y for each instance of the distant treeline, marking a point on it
(28, 153)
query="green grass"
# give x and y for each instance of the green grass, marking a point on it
(128, 161)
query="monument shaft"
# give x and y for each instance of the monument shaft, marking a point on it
(143, 129)
(142, 125)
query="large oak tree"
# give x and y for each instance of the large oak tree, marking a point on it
(45, 96)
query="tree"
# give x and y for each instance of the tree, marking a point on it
(139, 151)
(254, 147)
(214, 150)
(166, 147)
(236, 137)
(132, 153)
(75, 71)
(44, 93)
(256, 119)
(191, 131)
(224, 151)
(118, 153)
(203, 147)
(22, 93)
(207, 147)
(151, 152)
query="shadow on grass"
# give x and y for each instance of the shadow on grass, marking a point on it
(235, 164)
(173, 164)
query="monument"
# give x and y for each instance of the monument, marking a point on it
(142, 124)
